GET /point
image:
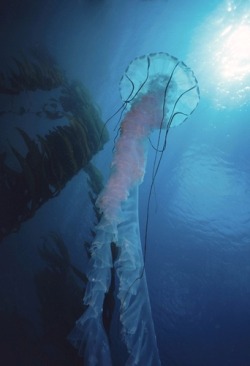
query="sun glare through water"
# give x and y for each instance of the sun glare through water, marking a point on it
(235, 53)
(220, 55)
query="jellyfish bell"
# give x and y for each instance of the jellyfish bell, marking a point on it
(158, 91)
(171, 85)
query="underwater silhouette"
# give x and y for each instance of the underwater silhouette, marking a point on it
(53, 158)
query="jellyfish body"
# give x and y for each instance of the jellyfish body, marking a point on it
(158, 92)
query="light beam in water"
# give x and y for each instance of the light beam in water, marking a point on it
(221, 55)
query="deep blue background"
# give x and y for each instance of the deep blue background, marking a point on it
(198, 246)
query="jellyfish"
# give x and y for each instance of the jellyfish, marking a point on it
(158, 92)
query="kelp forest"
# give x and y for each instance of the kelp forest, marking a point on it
(35, 168)
(53, 158)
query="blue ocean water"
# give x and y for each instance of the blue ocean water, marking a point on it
(198, 244)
